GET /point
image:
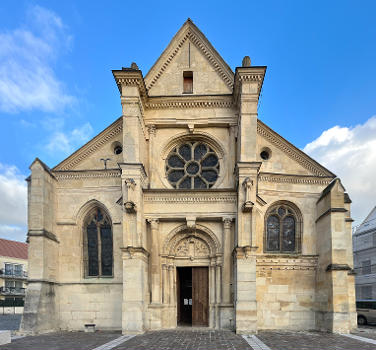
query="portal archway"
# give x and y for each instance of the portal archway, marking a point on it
(191, 265)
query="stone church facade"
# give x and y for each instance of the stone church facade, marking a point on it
(189, 210)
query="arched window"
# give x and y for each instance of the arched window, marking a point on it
(282, 229)
(98, 244)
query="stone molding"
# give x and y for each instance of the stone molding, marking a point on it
(338, 267)
(130, 77)
(190, 198)
(248, 74)
(291, 151)
(331, 210)
(135, 253)
(295, 179)
(86, 174)
(42, 233)
(190, 102)
(190, 32)
(300, 262)
(93, 145)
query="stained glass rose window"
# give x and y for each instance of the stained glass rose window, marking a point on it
(192, 165)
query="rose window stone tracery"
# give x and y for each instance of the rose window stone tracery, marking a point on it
(192, 165)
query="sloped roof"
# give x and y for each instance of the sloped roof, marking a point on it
(13, 249)
(368, 224)
(189, 31)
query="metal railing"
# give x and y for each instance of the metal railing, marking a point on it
(13, 273)
(12, 291)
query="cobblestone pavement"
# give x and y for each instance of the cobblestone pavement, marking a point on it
(186, 340)
(312, 341)
(366, 332)
(10, 322)
(192, 339)
(62, 341)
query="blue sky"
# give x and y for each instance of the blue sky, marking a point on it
(57, 90)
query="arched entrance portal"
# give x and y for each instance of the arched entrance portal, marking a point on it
(192, 262)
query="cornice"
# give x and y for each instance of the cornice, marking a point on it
(291, 151)
(190, 32)
(249, 74)
(92, 146)
(130, 77)
(199, 197)
(86, 174)
(224, 101)
(295, 179)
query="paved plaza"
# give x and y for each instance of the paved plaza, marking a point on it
(196, 339)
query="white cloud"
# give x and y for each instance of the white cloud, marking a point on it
(67, 142)
(27, 54)
(13, 194)
(350, 152)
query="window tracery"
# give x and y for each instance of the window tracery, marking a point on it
(98, 244)
(192, 165)
(282, 229)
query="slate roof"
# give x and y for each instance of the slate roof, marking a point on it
(13, 249)
(368, 224)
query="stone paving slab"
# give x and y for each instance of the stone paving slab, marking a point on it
(311, 341)
(62, 341)
(10, 322)
(186, 340)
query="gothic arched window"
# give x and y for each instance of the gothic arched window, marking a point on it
(193, 164)
(282, 229)
(98, 244)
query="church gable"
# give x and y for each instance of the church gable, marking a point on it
(189, 56)
(285, 158)
(100, 147)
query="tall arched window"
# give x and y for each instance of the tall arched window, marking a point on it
(98, 244)
(283, 229)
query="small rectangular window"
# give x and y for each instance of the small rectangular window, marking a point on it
(366, 267)
(367, 294)
(188, 82)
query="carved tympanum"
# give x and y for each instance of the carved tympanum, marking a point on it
(192, 247)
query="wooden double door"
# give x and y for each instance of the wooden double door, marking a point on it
(192, 296)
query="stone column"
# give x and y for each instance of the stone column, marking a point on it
(218, 292)
(152, 149)
(155, 263)
(212, 294)
(165, 283)
(227, 252)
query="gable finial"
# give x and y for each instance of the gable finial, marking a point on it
(246, 61)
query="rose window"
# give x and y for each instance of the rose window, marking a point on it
(192, 165)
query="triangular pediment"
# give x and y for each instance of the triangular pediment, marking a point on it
(189, 50)
(289, 159)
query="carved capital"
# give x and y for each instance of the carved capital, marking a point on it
(227, 222)
(152, 130)
(154, 223)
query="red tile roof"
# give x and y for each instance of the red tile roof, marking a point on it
(13, 249)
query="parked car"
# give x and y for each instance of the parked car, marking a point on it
(366, 310)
